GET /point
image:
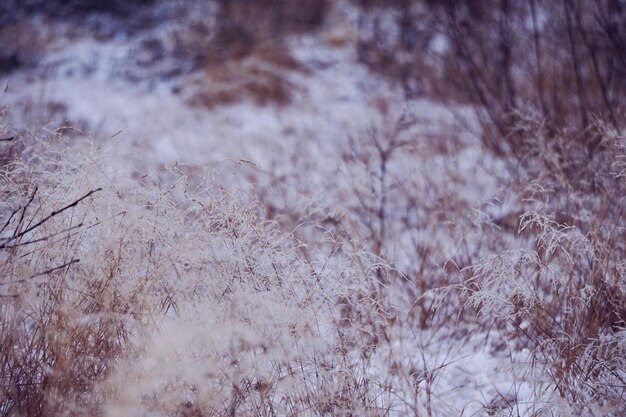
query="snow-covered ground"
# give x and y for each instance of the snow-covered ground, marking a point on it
(116, 91)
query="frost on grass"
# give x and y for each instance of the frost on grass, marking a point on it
(360, 254)
(187, 290)
(562, 296)
(163, 293)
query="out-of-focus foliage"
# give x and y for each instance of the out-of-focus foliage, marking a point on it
(565, 59)
(14, 9)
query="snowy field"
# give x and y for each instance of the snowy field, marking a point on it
(283, 233)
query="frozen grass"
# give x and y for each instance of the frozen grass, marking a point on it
(349, 253)
(171, 294)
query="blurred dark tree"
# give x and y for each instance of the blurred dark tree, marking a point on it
(565, 58)
(11, 10)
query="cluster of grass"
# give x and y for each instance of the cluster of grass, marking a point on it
(165, 295)
(341, 290)
(561, 294)
(172, 294)
(546, 80)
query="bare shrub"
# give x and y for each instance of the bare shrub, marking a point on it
(564, 59)
(563, 295)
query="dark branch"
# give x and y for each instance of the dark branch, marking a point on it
(56, 268)
(51, 215)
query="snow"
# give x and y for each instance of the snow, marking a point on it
(151, 122)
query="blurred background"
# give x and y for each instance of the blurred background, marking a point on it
(565, 59)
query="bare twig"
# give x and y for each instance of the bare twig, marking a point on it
(47, 271)
(19, 222)
(9, 219)
(42, 239)
(45, 219)
(56, 268)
